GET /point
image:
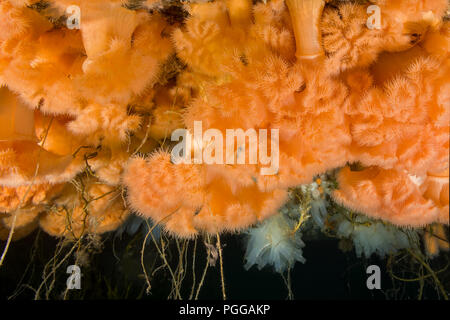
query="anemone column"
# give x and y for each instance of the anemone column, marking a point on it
(239, 11)
(22, 159)
(16, 119)
(305, 16)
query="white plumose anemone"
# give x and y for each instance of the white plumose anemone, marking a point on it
(371, 237)
(275, 243)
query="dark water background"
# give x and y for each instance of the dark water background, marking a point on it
(117, 274)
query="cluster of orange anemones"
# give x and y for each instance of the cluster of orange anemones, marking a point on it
(338, 91)
(77, 101)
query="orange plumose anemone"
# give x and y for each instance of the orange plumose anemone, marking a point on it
(98, 208)
(326, 93)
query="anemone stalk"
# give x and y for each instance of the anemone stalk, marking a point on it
(305, 16)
